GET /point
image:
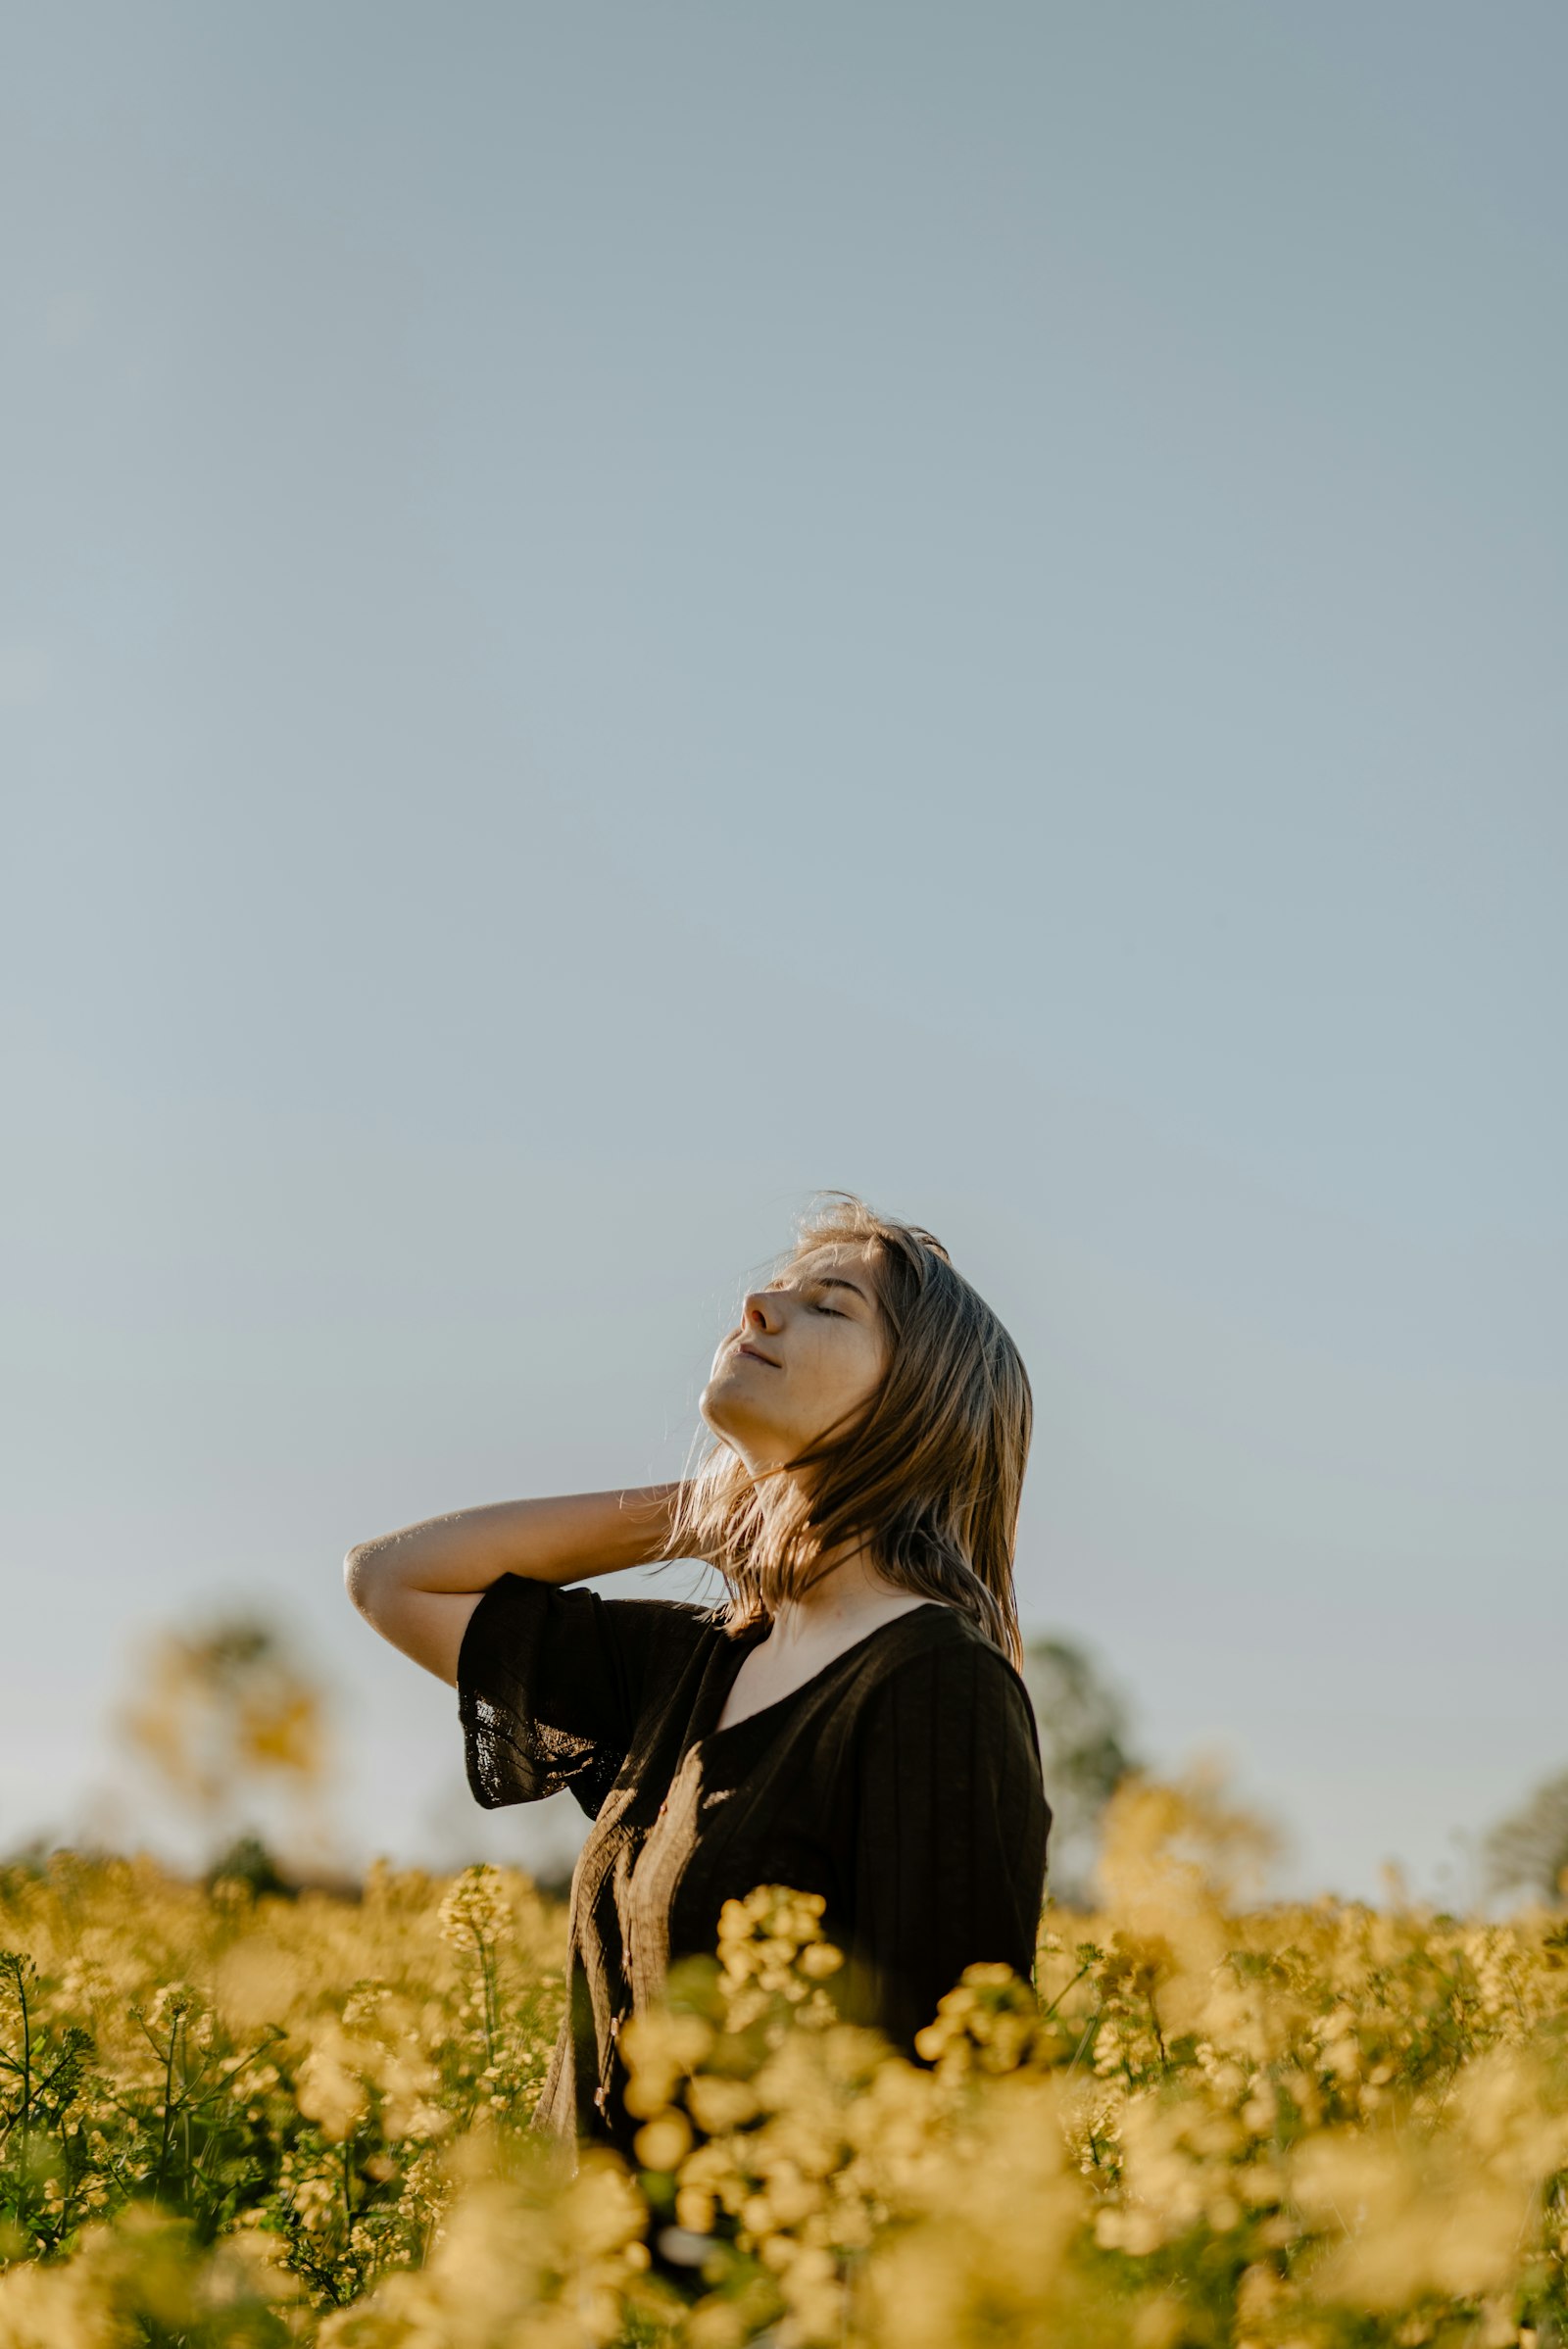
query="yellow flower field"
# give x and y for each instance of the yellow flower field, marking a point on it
(229, 2120)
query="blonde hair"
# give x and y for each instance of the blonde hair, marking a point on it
(927, 1474)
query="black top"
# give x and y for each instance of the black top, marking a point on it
(901, 1782)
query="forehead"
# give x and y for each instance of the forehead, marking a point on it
(846, 1259)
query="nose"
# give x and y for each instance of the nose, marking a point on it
(761, 1312)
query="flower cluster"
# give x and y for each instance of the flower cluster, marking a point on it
(235, 2118)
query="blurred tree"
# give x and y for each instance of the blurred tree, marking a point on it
(228, 1719)
(1084, 1755)
(1530, 1851)
(249, 1859)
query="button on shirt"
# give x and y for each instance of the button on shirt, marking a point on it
(901, 1782)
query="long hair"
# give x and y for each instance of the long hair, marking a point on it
(926, 1474)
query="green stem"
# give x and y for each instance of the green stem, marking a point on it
(27, 2054)
(169, 2098)
(487, 1978)
(1062, 1992)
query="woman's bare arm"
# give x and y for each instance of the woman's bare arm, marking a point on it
(418, 1587)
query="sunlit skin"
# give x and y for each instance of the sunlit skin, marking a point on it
(808, 1348)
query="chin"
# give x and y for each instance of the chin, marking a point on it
(711, 1406)
(730, 1427)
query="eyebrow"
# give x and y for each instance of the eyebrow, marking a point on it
(828, 1280)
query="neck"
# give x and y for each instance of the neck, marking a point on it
(846, 1586)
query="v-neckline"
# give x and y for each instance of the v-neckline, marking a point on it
(801, 1688)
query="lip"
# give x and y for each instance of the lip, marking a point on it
(756, 1357)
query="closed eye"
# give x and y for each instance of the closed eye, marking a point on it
(833, 1309)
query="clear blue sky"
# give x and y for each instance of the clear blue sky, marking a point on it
(609, 615)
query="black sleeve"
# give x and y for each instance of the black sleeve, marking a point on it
(552, 1683)
(952, 1825)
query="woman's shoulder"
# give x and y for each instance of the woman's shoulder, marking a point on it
(939, 1657)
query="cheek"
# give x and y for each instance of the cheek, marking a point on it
(860, 1371)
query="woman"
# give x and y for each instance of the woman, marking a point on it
(851, 1721)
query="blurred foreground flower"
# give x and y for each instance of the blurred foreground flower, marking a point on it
(231, 2117)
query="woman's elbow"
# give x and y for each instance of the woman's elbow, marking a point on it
(360, 1576)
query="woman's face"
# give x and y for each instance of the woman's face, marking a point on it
(810, 1346)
